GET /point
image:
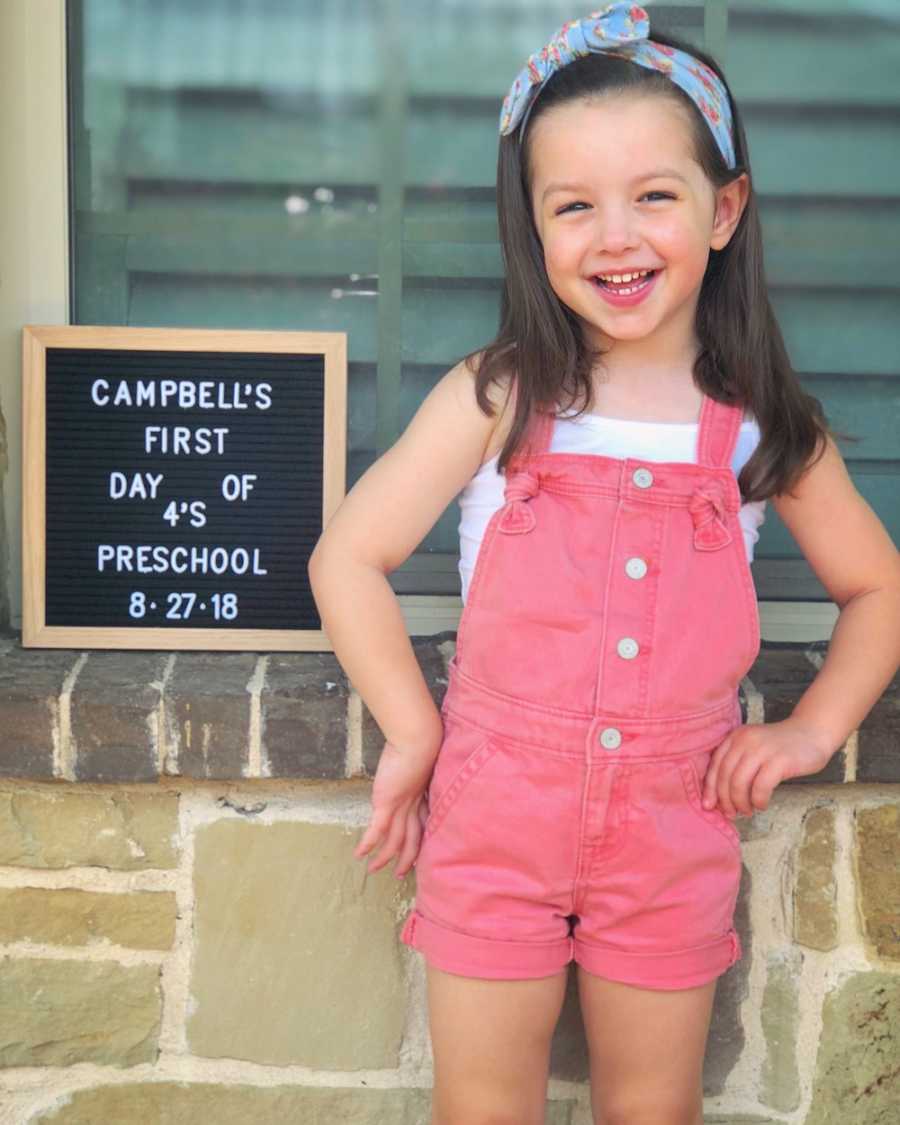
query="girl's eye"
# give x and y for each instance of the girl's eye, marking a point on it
(578, 204)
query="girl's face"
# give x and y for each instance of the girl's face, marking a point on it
(615, 189)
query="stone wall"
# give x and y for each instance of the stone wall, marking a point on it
(185, 932)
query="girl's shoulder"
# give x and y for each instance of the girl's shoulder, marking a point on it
(501, 393)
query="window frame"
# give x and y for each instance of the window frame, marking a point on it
(38, 33)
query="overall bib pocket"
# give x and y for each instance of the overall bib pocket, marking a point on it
(692, 774)
(464, 751)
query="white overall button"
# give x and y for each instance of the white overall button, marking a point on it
(610, 738)
(635, 568)
(627, 647)
(643, 478)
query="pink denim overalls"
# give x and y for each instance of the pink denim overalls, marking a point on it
(610, 618)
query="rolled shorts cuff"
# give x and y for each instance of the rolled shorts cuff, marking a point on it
(494, 958)
(682, 968)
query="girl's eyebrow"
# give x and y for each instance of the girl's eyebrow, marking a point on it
(659, 174)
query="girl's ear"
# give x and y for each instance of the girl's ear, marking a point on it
(730, 203)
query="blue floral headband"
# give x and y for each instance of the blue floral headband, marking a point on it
(621, 29)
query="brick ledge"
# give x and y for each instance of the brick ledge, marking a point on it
(117, 715)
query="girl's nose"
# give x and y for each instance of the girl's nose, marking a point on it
(616, 233)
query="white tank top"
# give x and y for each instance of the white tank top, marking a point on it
(612, 437)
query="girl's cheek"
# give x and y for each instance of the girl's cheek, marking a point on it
(553, 254)
(563, 245)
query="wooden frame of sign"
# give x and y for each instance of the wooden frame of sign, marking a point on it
(175, 483)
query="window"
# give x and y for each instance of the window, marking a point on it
(294, 164)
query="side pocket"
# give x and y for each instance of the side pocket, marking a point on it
(693, 785)
(465, 750)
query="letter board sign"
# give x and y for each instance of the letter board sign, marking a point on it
(176, 482)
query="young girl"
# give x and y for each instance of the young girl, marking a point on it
(573, 797)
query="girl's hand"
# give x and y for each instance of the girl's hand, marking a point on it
(755, 757)
(399, 807)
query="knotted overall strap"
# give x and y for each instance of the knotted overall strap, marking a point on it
(522, 479)
(709, 503)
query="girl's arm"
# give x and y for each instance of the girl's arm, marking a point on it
(380, 522)
(856, 561)
(853, 556)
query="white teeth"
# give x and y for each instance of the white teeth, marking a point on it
(619, 278)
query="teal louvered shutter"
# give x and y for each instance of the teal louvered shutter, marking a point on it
(817, 83)
(331, 167)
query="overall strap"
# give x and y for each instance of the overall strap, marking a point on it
(522, 481)
(538, 435)
(717, 433)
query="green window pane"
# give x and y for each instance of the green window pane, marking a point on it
(299, 165)
(816, 80)
(331, 166)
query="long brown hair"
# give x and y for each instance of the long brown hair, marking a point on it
(742, 357)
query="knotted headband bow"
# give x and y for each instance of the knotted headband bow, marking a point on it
(621, 30)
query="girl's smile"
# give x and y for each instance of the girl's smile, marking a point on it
(628, 288)
(615, 193)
